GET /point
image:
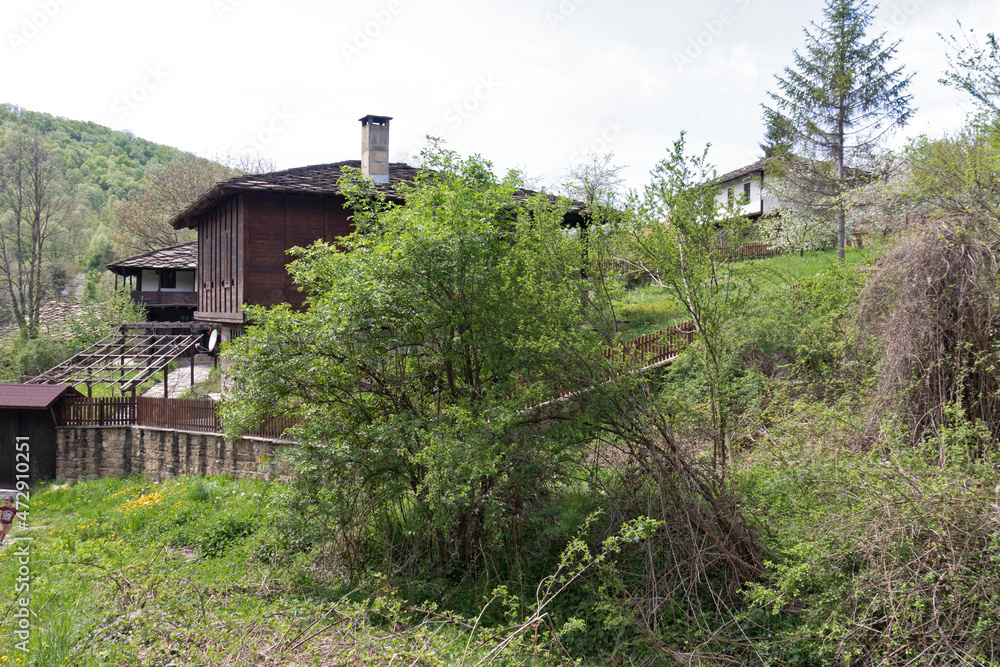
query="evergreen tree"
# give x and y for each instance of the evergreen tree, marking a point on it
(778, 138)
(840, 98)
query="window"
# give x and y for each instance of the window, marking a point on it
(746, 192)
(168, 279)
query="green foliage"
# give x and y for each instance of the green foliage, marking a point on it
(428, 332)
(975, 69)
(113, 162)
(838, 101)
(94, 168)
(888, 561)
(674, 237)
(24, 358)
(958, 174)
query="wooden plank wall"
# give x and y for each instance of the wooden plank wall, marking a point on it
(275, 223)
(220, 231)
(305, 222)
(37, 456)
(242, 248)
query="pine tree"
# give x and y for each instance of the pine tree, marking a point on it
(840, 98)
(778, 138)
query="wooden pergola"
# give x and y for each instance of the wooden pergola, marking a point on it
(125, 360)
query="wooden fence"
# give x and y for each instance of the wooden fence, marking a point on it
(183, 414)
(110, 411)
(654, 348)
(750, 251)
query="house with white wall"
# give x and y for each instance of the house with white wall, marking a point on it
(747, 184)
(165, 281)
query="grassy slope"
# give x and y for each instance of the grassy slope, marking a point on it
(128, 572)
(651, 308)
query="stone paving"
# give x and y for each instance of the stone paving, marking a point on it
(180, 379)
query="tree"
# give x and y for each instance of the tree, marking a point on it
(840, 98)
(975, 70)
(34, 205)
(141, 221)
(427, 333)
(673, 237)
(777, 139)
(596, 182)
(958, 175)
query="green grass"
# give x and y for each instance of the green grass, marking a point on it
(648, 309)
(791, 268)
(213, 385)
(192, 571)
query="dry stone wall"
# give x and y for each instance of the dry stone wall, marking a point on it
(91, 452)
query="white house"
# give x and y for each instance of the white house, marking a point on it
(747, 183)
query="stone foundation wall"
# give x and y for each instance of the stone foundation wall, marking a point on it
(92, 452)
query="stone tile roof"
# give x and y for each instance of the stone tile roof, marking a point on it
(183, 256)
(53, 317)
(743, 171)
(318, 179)
(32, 396)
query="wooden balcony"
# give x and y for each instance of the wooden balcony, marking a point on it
(166, 299)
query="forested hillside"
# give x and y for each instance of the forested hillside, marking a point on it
(74, 196)
(101, 166)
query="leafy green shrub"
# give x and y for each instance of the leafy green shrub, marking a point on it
(201, 490)
(226, 530)
(886, 562)
(25, 358)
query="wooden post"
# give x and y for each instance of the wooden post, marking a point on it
(192, 366)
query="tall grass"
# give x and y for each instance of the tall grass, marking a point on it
(192, 571)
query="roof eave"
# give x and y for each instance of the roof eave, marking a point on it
(185, 219)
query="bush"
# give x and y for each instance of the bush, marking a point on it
(885, 562)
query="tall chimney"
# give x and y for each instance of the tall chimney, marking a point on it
(375, 147)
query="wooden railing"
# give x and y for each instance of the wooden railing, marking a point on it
(182, 414)
(109, 411)
(750, 251)
(160, 298)
(654, 348)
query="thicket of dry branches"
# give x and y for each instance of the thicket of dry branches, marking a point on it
(929, 306)
(693, 568)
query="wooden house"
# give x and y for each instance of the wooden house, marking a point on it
(246, 224)
(165, 281)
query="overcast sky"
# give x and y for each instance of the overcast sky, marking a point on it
(529, 84)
